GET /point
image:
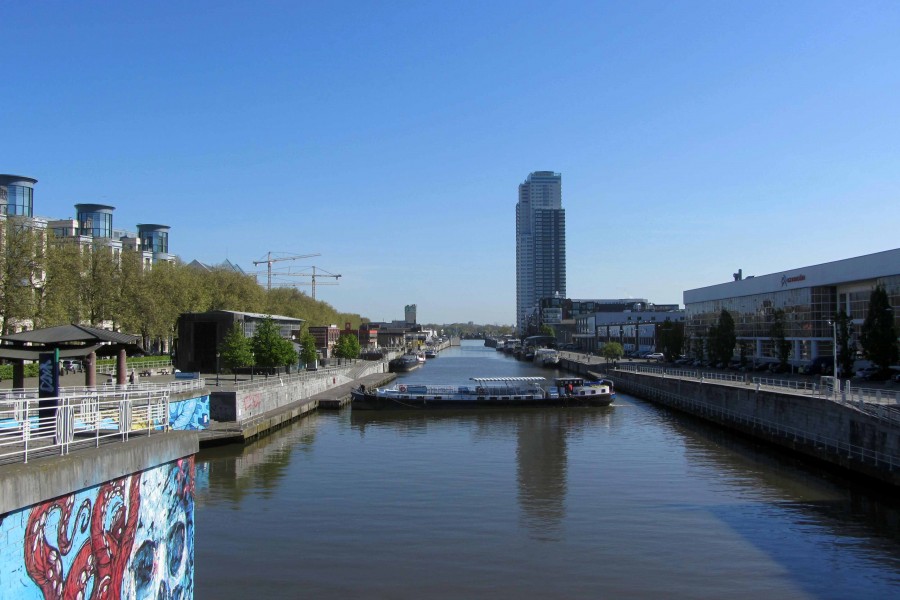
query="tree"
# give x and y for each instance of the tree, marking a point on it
(21, 246)
(547, 330)
(698, 347)
(308, 352)
(722, 338)
(744, 351)
(130, 288)
(347, 346)
(230, 290)
(159, 302)
(878, 334)
(845, 356)
(671, 338)
(612, 351)
(99, 278)
(269, 348)
(236, 350)
(777, 333)
(58, 297)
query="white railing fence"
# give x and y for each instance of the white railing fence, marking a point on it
(147, 365)
(31, 427)
(347, 367)
(172, 387)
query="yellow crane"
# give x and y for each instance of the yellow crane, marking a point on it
(269, 260)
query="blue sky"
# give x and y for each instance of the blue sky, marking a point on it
(694, 138)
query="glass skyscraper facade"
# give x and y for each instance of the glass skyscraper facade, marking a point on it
(540, 245)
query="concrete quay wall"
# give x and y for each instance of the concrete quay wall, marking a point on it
(119, 519)
(817, 427)
(274, 393)
(39, 480)
(578, 367)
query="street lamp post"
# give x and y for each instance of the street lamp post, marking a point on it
(217, 369)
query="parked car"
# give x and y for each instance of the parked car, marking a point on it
(867, 372)
(820, 365)
(656, 356)
(72, 366)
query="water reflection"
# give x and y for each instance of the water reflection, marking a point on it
(816, 515)
(230, 473)
(541, 440)
(541, 473)
(531, 504)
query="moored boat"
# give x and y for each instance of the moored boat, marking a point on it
(408, 362)
(487, 392)
(548, 357)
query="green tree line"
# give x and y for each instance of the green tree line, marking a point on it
(57, 282)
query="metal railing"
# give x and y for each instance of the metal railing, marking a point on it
(871, 396)
(262, 381)
(788, 384)
(825, 387)
(173, 387)
(33, 427)
(110, 368)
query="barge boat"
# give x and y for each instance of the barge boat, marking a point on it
(487, 392)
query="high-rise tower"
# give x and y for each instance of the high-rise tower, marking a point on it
(540, 244)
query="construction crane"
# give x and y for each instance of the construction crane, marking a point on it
(314, 275)
(269, 260)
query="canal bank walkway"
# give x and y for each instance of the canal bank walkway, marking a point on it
(226, 432)
(221, 432)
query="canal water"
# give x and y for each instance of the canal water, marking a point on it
(627, 501)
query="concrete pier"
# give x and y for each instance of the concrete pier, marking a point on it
(231, 432)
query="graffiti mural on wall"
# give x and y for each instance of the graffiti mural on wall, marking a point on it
(189, 414)
(132, 537)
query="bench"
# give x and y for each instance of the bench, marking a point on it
(145, 373)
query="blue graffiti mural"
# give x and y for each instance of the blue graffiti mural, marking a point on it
(132, 537)
(189, 414)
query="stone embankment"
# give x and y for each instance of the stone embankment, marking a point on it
(860, 437)
(256, 408)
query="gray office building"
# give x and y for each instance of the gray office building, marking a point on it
(540, 245)
(809, 297)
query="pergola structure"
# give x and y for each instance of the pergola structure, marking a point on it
(72, 341)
